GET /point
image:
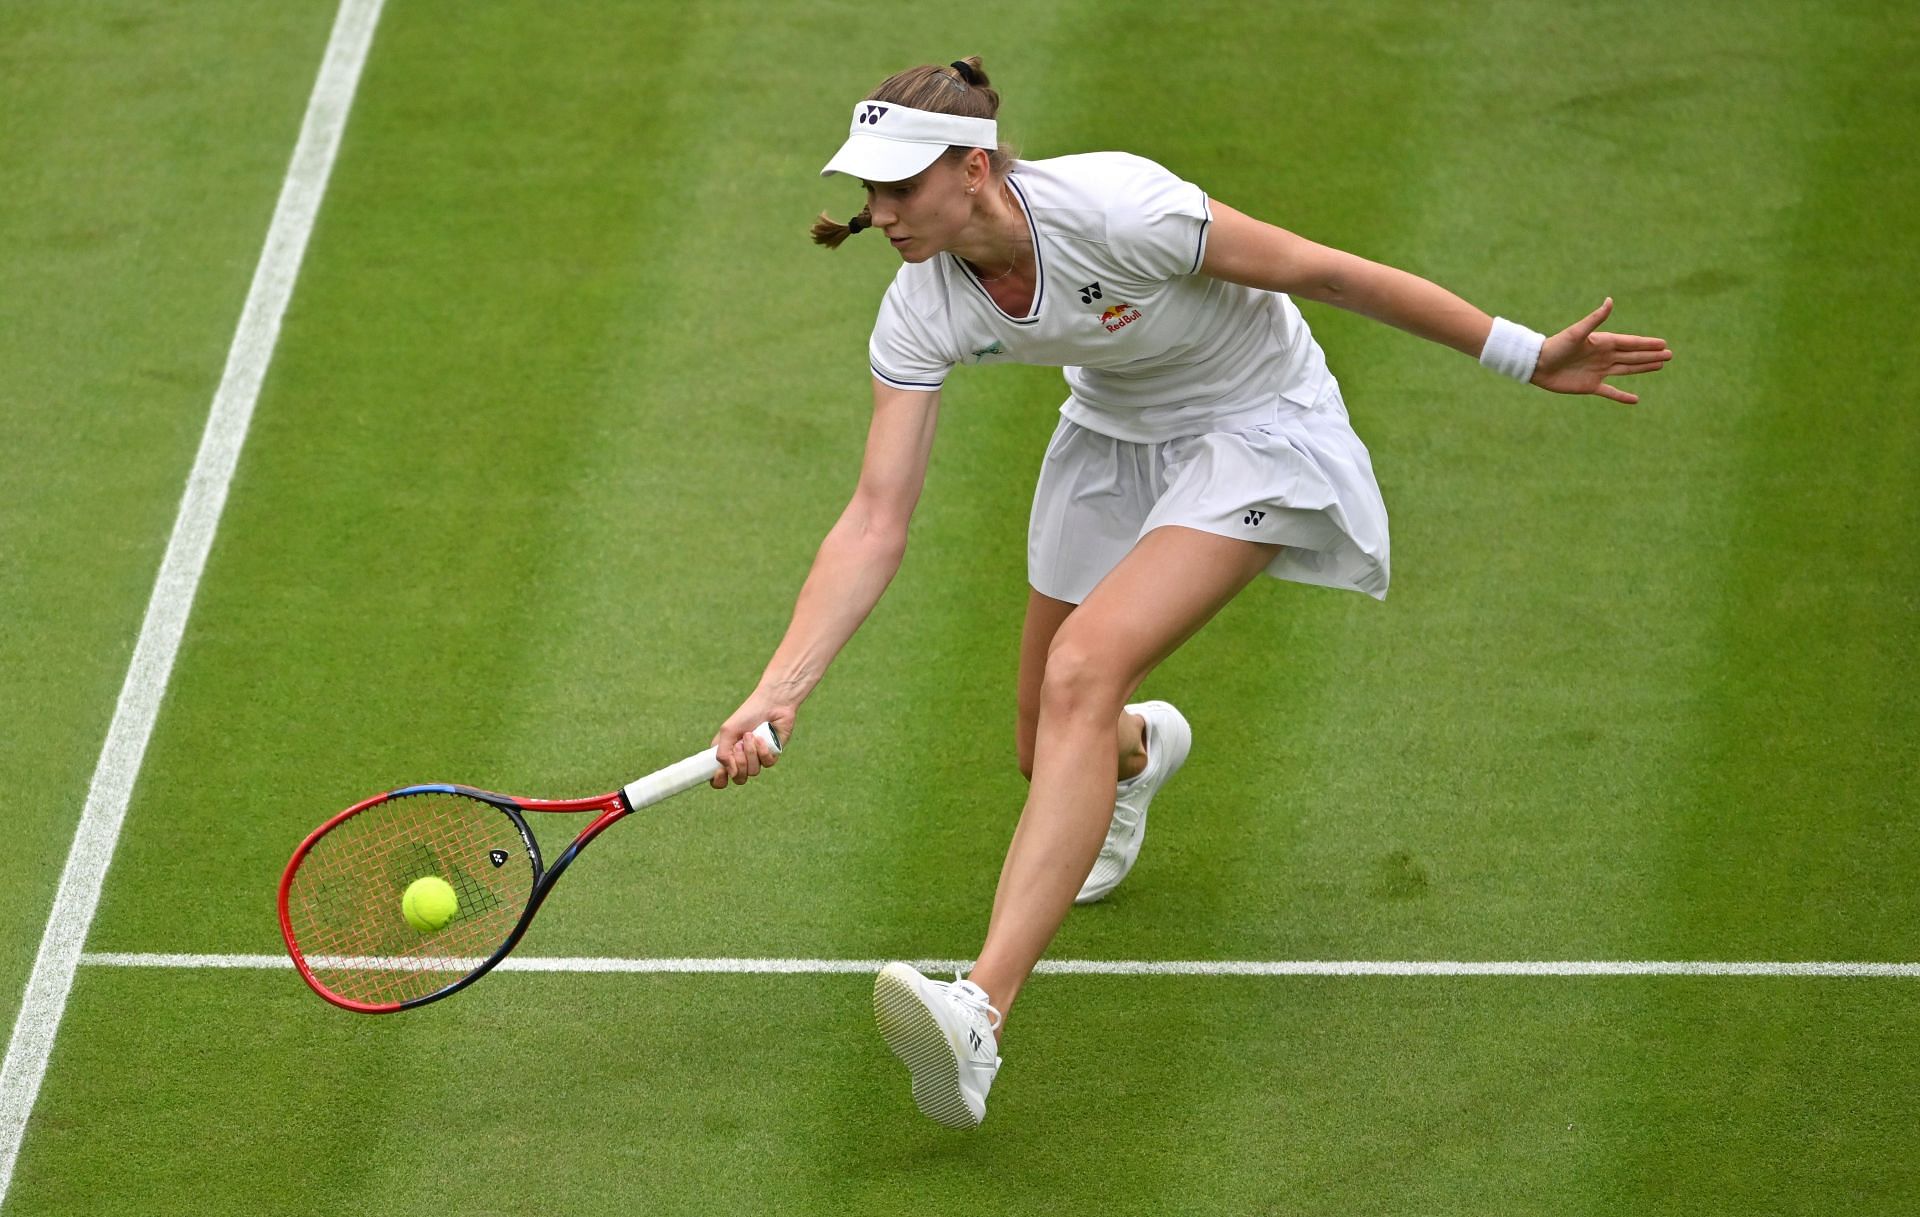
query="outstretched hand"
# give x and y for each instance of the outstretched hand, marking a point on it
(1578, 360)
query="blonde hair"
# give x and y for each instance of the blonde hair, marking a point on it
(958, 88)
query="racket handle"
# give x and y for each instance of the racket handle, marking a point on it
(682, 776)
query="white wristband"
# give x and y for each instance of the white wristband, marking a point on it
(1512, 350)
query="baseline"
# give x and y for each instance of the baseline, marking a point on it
(1093, 967)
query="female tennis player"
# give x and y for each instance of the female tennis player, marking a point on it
(1202, 442)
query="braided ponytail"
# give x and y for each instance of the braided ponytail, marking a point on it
(830, 232)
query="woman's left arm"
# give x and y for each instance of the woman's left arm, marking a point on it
(1241, 249)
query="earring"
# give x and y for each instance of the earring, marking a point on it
(969, 190)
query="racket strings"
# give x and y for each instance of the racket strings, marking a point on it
(344, 903)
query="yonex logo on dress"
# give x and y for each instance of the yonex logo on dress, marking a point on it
(1090, 293)
(873, 114)
(1254, 517)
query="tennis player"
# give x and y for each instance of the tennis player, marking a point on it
(1202, 443)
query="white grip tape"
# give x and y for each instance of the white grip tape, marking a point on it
(1512, 350)
(682, 776)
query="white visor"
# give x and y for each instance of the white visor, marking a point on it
(891, 143)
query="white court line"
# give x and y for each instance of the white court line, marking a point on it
(1076, 967)
(78, 895)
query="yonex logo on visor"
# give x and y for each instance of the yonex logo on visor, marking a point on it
(871, 114)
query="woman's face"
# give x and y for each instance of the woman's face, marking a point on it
(924, 214)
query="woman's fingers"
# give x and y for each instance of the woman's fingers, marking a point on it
(723, 757)
(1591, 322)
(727, 754)
(1642, 361)
(741, 755)
(1632, 342)
(1578, 359)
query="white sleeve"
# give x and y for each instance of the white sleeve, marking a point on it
(1158, 222)
(905, 349)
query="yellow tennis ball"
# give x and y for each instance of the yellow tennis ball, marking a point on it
(429, 904)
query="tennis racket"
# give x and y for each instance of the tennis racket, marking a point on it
(342, 892)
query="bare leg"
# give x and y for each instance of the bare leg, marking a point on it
(1170, 584)
(1045, 615)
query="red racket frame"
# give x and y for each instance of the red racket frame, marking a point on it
(611, 806)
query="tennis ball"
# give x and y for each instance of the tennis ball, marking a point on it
(429, 904)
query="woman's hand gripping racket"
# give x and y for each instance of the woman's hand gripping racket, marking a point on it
(370, 928)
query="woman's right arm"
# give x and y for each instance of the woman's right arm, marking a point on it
(852, 568)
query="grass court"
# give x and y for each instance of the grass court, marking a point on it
(565, 399)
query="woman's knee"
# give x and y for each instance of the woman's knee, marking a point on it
(1081, 680)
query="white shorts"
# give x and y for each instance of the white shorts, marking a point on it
(1302, 479)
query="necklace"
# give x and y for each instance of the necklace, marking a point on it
(1003, 274)
(1007, 192)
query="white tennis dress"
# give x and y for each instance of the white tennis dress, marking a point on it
(1192, 401)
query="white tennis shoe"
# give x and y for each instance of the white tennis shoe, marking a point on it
(1168, 739)
(943, 1034)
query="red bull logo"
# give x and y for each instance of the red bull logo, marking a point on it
(1119, 315)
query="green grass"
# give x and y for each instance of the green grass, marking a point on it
(141, 150)
(1152, 1096)
(564, 402)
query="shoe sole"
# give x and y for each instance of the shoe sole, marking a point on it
(913, 1036)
